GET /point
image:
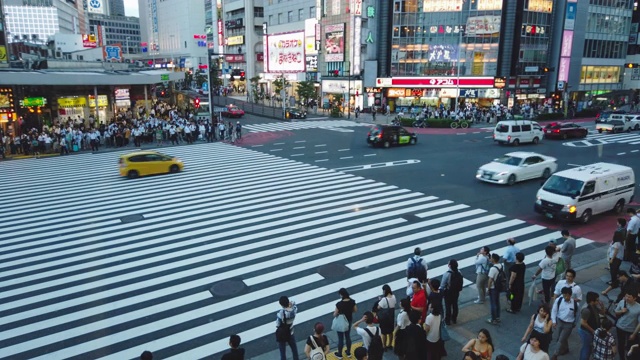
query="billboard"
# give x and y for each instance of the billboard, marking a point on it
(483, 25)
(89, 41)
(442, 5)
(95, 6)
(489, 4)
(112, 53)
(235, 40)
(285, 52)
(334, 42)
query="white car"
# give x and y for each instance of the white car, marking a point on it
(634, 119)
(517, 166)
(614, 126)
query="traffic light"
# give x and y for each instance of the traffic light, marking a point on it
(631, 66)
(162, 94)
(241, 75)
(197, 102)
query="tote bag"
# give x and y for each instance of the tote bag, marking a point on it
(340, 323)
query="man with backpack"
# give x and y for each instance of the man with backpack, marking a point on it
(496, 285)
(451, 286)
(417, 267)
(370, 334)
(563, 315)
(284, 328)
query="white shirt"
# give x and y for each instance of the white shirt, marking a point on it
(434, 327)
(527, 350)
(366, 339)
(576, 290)
(493, 274)
(548, 267)
(403, 320)
(565, 312)
(383, 302)
(634, 225)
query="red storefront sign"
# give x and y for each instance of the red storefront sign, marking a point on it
(436, 82)
(259, 56)
(234, 58)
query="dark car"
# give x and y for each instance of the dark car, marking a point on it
(387, 135)
(564, 131)
(295, 113)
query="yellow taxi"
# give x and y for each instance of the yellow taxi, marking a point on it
(141, 163)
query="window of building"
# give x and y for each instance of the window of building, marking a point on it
(280, 18)
(599, 74)
(271, 20)
(290, 17)
(258, 11)
(301, 14)
(312, 12)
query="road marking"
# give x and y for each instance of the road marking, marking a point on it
(622, 153)
(344, 149)
(633, 151)
(278, 144)
(461, 133)
(299, 147)
(322, 160)
(378, 165)
(256, 146)
(321, 152)
(477, 132)
(371, 154)
(576, 165)
(346, 157)
(276, 150)
(297, 154)
(321, 145)
(488, 137)
(300, 141)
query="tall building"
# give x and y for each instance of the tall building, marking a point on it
(116, 8)
(448, 52)
(173, 31)
(39, 19)
(111, 29)
(4, 54)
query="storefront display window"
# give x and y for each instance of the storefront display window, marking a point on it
(599, 74)
(442, 5)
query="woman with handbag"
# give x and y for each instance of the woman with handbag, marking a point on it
(616, 252)
(343, 314)
(532, 350)
(385, 312)
(540, 326)
(317, 346)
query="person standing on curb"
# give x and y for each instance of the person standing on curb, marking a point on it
(627, 312)
(348, 307)
(547, 267)
(569, 281)
(494, 293)
(284, 324)
(589, 322)
(632, 229)
(617, 252)
(509, 256)
(236, 352)
(482, 271)
(452, 282)
(417, 267)
(563, 314)
(516, 283)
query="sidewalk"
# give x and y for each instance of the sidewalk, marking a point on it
(591, 276)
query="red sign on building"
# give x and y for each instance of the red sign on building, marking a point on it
(234, 58)
(437, 82)
(259, 56)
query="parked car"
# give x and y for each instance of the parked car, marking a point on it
(517, 166)
(233, 111)
(387, 135)
(295, 113)
(565, 130)
(142, 163)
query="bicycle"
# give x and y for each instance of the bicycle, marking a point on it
(459, 124)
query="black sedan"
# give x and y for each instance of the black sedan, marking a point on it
(564, 131)
(295, 113)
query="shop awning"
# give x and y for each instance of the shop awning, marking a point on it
(90, 78)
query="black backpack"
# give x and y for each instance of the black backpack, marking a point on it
(455, 281)
(375, 350)
(501, 280)
(417, 270)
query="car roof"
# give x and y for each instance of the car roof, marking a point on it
(523, 154)
(516, 122)
(142, 152)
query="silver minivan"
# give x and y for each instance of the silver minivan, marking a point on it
(516, 132)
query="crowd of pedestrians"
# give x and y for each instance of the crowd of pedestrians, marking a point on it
(163, 125)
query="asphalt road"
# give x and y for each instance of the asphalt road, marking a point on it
(175, 263)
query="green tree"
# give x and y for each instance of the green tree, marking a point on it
(200, 79)
(279, 84)
(255, 86)
(306, 91)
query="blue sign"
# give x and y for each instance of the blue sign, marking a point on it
(202, 43)
(570, 16)
(112, 53)
(205, 86)
(468, 93)
(145, 49)
(181, 62)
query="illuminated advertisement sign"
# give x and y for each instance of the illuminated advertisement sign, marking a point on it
(285, 52)
(544, 6)
(235, 40)
(112, 53)
(489, 4)
(95, 6)
(355, 45)
(310, 37)
(483, 25)
(442, 5)
(334, 42)
(6, 100)
(220, 27)
(312, 63)
(430, 82)
(89, 41)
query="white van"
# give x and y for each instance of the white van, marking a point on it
(579, 193)
(517, 131)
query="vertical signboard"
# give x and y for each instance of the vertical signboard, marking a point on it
(4, 58)
(220, 27)
(334, 42)
(567, 40)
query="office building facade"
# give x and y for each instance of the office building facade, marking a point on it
(123, 30)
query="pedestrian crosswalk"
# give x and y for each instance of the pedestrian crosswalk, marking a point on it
(594, 139)
(336, 125)
(96, 266)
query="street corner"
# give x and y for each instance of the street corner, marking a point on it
(260, 138)
(600, 229)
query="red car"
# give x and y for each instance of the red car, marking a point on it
(564, 130)
(233, 112)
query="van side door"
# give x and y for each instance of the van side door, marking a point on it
(605, 187)
(527, 133)
(588, 198)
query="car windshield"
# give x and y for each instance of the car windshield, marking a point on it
(563, 186)
(375, 131)
(509, 160)
(233, 108)
(502, 128)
